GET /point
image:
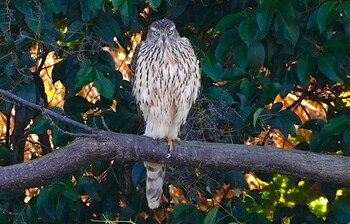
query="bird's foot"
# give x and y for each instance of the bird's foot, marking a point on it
(170, 143)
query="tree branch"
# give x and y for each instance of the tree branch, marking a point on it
(20, 101)
(124, 147)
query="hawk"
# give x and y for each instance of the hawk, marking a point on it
(166, 82)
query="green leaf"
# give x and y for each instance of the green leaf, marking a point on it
(240, 53)
(271, 91)
(292, 116)
(106, 28)
(229, 20)
(256, 55)
(104, 85)
(74, 31)
(335, 126)
(39, 126)
(26, 92)
(246, 87)
(212, 69)
(181, 211)
(77, 104)
(246, 31)
(264, 14)
(236, 179)
(287, 29)
(217, 93)
(326, 14)
(211, 216)
(69, 191)
(154, 4)
(328, 66)
(305, 67)
(256, 116)
(227, 39)
(84, 76)
(117, 3)
(346, 139)
(54, 5)
(285, 8)
(235, 73)
(33, 23)
(43, 196)
(339, 43)
(345, 5)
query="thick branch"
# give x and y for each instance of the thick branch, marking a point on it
(123, 147)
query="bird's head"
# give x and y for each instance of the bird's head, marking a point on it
(162, 31)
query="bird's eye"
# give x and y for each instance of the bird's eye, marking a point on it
(156, 33)
(170, 32)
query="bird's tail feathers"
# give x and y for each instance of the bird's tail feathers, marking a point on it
(154, 183)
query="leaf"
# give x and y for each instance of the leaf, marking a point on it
(180, 212)
(246, 31)
(39, 126)
(256, 55)
(104, 85)
(235, 73)
(240, 53)
(326, 14)
(256, 116)
(211, 216)
(229, 20)
(69, 191)
(271, 91)
(74, 31)
(305, 67)
(292, 116)
(246, 87)
(227, 39)
(54, 5)
(116, 4)
(327, 65)
(77, 104)
(287, 29)
(335, 126)
(264, 14)
(346, 139)
(339, 43)
(43, 196)
(154, 4)
(217, 93)
(213, 70)
(106, 28)
(236, 179)
(26, 92)
(346, 9)
(84, 76)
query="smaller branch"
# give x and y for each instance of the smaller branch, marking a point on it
(36, 107)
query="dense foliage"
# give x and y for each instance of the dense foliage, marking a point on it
(251, 53)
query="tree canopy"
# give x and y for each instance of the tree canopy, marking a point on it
(274, 73)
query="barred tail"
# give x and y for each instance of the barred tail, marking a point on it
(154, 183)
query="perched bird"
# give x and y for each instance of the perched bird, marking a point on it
(166, 82)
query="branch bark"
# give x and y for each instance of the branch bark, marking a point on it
(124, 147)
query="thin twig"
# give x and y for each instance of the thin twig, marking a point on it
(36, 107)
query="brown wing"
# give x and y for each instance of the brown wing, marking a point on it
(133, 65)
(133, 62)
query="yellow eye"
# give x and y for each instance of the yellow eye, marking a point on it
(156, 33)
(170, 32)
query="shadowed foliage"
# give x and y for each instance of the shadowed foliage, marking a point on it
(273, 73)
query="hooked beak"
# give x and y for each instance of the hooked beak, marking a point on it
(163, 38)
